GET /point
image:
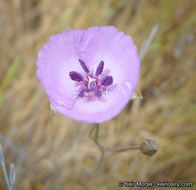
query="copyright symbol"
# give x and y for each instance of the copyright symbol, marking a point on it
(120, 183)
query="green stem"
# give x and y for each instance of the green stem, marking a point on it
(96, 139)
(103, 149)
(121, 149)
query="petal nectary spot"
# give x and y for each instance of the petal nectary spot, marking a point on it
(100, 68)
(75, 76)
(107, 81)
(84, 67)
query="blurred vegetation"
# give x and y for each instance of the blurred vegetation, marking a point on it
(56, 152)
(8, 79)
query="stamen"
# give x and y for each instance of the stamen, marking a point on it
(97, 92)
(100, 68)
(75, 76)
(107, 81)
(81, 93)
(90, 83)
(84, 67)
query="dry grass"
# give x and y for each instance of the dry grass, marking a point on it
(56, 152)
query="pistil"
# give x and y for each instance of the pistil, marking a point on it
(90, 82)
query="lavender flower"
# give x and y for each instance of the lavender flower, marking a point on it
(89, 75)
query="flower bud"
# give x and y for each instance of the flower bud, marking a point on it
(148, 147)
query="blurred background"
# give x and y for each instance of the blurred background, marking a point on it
(56, 152)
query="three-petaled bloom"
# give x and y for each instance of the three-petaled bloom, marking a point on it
(89, 75)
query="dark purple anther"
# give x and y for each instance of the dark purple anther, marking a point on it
(81, 93)
(75, 76)
(107, 81)
(84, 67)
(100, 68)
(97, 92)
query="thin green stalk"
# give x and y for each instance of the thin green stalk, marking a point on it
(103, 149)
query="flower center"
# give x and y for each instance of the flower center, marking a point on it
(90, 85)
(90, 81)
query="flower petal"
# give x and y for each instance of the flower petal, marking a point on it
(55, 60)
(115, 48)
(97, 111)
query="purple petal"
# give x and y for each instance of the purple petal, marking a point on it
(55, 61)
(107, 81)
(100, 68)
(75, 76)
(115, 48)
(84, 67)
